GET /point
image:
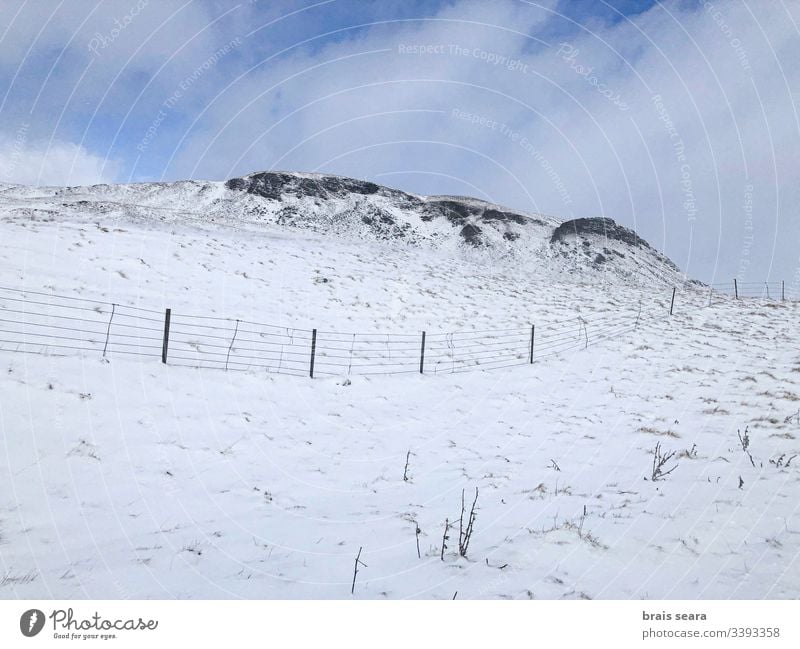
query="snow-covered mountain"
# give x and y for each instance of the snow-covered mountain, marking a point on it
(358, 209)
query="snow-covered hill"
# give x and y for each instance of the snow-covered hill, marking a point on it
(124, 477)
(356, 209)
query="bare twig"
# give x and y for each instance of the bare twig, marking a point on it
(465, 536)
(405, 471)
(445, 537)
(355, 569)
(780, 463)
(461, 523)
(419, 556)
(659, 460)
(745, 442)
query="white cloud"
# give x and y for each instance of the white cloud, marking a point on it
(57, 163)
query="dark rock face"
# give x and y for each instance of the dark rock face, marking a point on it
(462, 213)
(607, 230)
(376, 217)
(603, 227)
(467, 214)
(456, 213)
(274, 185)
(504, 217)
(472, 234)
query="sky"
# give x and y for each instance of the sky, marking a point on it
(675, 118)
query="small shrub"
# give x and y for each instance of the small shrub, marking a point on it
(660, 460)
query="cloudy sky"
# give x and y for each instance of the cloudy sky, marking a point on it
(675, 118)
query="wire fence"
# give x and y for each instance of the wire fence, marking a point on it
(32, 321)
(757, 290)
(40, 322)
(244, 345)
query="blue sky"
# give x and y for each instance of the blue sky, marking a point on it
(676, 118)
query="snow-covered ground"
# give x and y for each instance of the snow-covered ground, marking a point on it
(336, 207)
(129, 478)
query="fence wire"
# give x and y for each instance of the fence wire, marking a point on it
(40, 322)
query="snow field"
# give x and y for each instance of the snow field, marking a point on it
(128, 478)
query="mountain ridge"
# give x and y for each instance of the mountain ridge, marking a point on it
(334, 205)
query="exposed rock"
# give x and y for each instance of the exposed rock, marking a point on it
(472, 234)
(456, 213)
(504, 217)
(275, 185)
(601, 226)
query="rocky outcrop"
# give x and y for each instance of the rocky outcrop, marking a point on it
(600, 226)
(276, 185)
(592, 233)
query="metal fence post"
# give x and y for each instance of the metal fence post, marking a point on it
(422, 355)
(165, 345)
(783, 290)
(735, 289)
(313, 352)
(672, 304)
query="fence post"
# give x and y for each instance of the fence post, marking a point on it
(422, 354)
(533, 334)
(230, 347)
(165, 345)
(108, 329)
(313, 351)
(672, 304)
(735, 289)
(783, 290)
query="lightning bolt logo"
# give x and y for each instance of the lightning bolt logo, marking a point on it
(31, 622)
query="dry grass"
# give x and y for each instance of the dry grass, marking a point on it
(11, 579)
(769, 420)
(715, 411)
(655, 431)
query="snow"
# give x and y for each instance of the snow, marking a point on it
(126, 478)
(435, 222)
